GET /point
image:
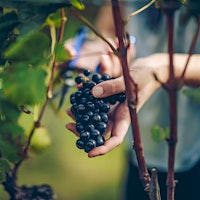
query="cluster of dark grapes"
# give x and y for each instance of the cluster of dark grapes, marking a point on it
(36, 192)
(90, 112)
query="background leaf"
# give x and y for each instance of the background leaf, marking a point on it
(30, 48)
(4, 168)
(159, 134)
(193, 93)
(12, 141)
(24, 84)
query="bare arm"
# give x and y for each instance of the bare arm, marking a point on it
(143, 70)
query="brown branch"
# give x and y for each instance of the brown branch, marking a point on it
(131, 90)
(191, 50)
(91, 27)
(172, 94)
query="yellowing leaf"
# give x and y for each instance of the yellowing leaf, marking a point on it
(77, 4)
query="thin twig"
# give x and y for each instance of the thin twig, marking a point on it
(192, 47)
(172, 93)
(94, 30)
(139, 11)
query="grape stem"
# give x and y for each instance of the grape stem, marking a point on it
(131, 94)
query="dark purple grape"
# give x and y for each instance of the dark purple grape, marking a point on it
(84, 135)
(96, 118)
(100, 140)
(74, 108)
(89, 127)
(105, 108)
(79, 79)
(101, 126)
(121, 97)
(80, 144)
(80, 109)
(86, 72)
(83, 100)
(91, 144)
(112, 100)
(90, 106)
(72, 99)
(95, 133)
(79, 127)
(105, 77)
(96, 77)
(90, 113)
(104, 117)
(85, 119)
(78, 95)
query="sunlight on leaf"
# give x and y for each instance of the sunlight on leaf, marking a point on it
(61, 54)
(24, 85)
(77, 4)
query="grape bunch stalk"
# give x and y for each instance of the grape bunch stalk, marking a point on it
(91, 114)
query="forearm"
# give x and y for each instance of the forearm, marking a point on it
(192, 74)
(159, 65)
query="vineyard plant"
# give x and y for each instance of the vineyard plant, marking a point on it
(35, 70)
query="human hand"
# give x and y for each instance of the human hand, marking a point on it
(119, 119)
(93, 53)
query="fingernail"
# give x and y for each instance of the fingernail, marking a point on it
(98, 91)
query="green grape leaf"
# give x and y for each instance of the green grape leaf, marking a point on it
(61, 54)
(193, 93)
(8, 111)
(8, 22)
(30, 48)
(12, 141)
(32, 13)
(77, 4)
(159, 134)
(4, 168)
(24, 85)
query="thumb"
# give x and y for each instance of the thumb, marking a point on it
(108, 88)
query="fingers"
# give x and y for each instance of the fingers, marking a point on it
(72, 127)
(108, 88)
(119, 130)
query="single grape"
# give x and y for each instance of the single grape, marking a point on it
(101, 126)
(96, 77)
(95, 133)
(79, 79)
(91, 144)
(79, 127)
(86, 72)
(104, 117)
(80, 144)
(99, 140)
(96, 118)
(84, 135)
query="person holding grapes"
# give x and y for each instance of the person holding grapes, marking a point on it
(147, 57)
